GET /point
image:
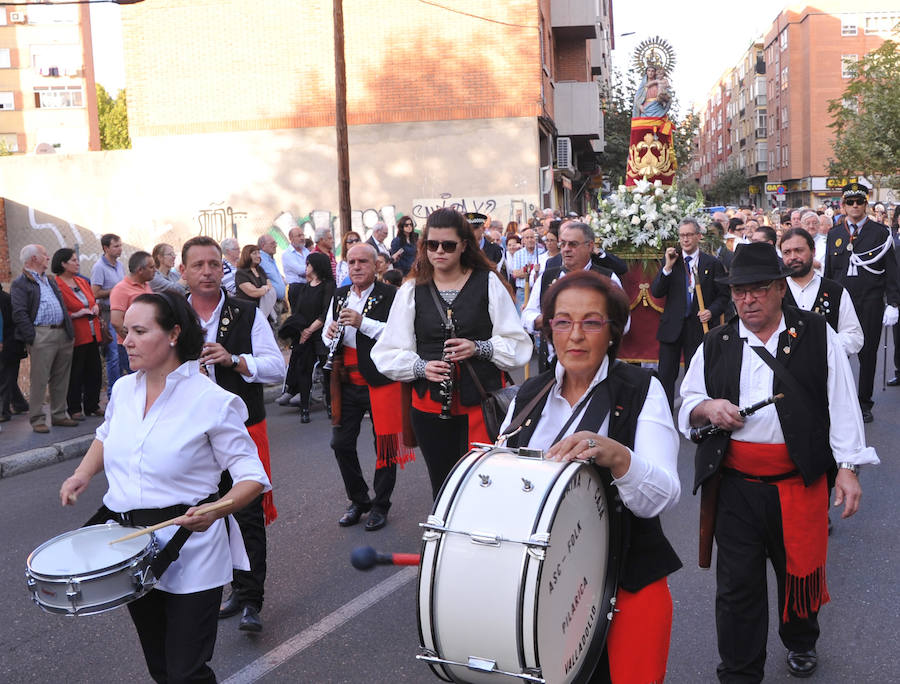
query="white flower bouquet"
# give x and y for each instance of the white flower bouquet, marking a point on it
(643, 219)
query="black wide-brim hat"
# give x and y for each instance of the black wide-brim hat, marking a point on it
(754, 262)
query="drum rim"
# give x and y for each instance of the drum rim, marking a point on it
(91, 573)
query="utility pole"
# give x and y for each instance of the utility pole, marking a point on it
(340, 116)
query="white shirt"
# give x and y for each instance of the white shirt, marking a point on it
(820, 242)
(266, 363)
(293, 262)
(175, 455)
(533, 307)
(369, 326)
(651, 484)
(849, 330)
(846, 434)
(395, 353)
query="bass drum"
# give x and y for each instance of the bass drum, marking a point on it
(519, 569)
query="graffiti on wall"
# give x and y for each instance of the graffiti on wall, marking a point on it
(503, 208)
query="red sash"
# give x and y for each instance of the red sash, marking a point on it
(804, 516)
(261, 438)
(477, 430)
(639, 634)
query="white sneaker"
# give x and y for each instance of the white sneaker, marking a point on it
(296, 400)
(283, 399)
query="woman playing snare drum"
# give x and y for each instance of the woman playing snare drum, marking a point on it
(616, 416)
(161, 460)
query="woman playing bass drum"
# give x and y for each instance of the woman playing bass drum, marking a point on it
(616, 416)
(452, 275)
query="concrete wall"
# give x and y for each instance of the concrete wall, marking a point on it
(155, 192)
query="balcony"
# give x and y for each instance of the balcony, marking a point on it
(574, 18)
(576, 105)
(760, 133)
(762, 167)
(600, 58)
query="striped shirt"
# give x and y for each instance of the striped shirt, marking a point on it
(49, 311)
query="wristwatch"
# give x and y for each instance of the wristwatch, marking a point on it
(235, 360)
(852, 467)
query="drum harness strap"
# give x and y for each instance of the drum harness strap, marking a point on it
(144, 517)
(596, 411)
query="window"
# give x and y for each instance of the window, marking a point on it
(7, 100)
(784, 116)
(782, 39)
(761, 124)
(848, 65)
(784, 78)
(58, 97)
(784, 156)
(880, 23)
(10, 140)
(777, 156)
(848, 25)
(5, 62)
(720, 145)
(56, 60)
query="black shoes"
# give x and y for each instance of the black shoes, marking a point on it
(377, 519)
(894, 381)
(352, 516)
(230, 607)
(867, 416)
(250, 621)
(304, 415)
(802, 663)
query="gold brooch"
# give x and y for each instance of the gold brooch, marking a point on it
(838, 242)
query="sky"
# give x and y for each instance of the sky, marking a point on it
(708, 36)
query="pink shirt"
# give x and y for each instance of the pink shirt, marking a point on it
(125, 292)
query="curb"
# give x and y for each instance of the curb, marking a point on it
(67, 450)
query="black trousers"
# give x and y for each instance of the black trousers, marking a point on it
(85, 379)
(442, 443)
(300, 371)
(749, 530)
(670, 355)
(870, 313)
(10, 394)
(249, 585)
(354, 404)
(896, 329)
(178, 634)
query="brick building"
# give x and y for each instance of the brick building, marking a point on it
(715, 132)
(48, 100)
(453, 100)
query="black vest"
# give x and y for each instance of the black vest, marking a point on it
(377, 307)
(472, 321)
(827, 302)
(235, 334)
(804, 419)
(647, 554)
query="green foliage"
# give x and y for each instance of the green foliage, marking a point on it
(617, 102)
(113, 117)
(866, 119)
(728, 187)
(4, 149)
(684, 137)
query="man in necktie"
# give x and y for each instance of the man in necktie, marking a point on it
(681, 324)
(860, 256)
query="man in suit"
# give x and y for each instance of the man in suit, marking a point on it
(377, 238)
(860, 256)
(681, 324)
(491, 251)
(11, 356)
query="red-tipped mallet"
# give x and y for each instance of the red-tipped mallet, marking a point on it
(366, 558)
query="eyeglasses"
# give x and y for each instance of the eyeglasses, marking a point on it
(687, 235)
(855, 201)
(755, 291)
(352, 241)
(406, 225)
(589, 326)
(449, 246)
(571, 243)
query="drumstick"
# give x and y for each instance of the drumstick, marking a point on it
(147, 530)
(366, 558)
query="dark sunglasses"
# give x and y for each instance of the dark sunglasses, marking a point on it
(857, 201)
(448, 245)
(352, 241)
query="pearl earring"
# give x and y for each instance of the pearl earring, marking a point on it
(171, 344)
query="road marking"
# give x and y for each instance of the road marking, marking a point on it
(309, 636)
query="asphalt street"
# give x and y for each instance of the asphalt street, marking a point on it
(327, 622)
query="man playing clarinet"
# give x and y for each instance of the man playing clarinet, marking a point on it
(355, 321)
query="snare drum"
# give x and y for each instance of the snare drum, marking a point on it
(519, 569)
(80, 573)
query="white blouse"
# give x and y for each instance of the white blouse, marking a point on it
(651, 484)
(175, 455)
(395, 351)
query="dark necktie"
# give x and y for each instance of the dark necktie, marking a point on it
(687, 285)
(854, 231)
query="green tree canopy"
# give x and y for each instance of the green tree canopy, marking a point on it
(728, 187)
(866, 119)
(113, 117)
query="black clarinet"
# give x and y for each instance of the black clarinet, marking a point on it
(336, 341)
(701, 433)
(446, 390)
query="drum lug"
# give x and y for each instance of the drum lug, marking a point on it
(141, 578)
(527, 485)
(537, 545)
(485, 538)
(485, 480)
(434, 527)
(612, 609)
(73, 593)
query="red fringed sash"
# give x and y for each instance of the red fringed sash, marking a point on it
(804, 515)
(261, 438)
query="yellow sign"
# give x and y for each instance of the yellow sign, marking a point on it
(773, 187)
(754, 189)
(840, 182)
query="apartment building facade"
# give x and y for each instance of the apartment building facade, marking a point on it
(498, 102)
(48, 101)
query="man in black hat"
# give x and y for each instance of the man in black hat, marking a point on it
(491, 251)
(765, 477)
(860, 256)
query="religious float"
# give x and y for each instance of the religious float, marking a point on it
(640, 219)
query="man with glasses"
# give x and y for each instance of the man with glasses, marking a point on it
(681, 324)
(765, 476)
(576, 244)
(860, 256)
(524, 262)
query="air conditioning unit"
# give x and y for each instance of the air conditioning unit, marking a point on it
(564, 155)
(17, 17)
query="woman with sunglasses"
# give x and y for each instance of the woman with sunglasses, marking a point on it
(453, 280)
(343, 272)
(616, 416)
(403, 247)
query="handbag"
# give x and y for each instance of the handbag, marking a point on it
(105, 336)
(494, 405)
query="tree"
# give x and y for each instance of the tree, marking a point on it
(684, 137)
(728, 187)
(866, 119)
(617, 103)
(113, 118)
(4, 149)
